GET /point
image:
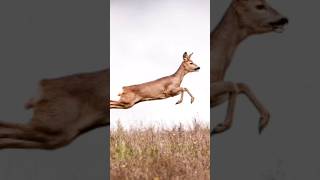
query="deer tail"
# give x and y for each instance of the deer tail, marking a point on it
(30, 103)
(123, 90)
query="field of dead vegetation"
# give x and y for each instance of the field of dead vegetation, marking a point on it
(156, 154)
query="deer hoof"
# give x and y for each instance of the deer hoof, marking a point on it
(220, 128)
(264, 120)
(178, 102)
(192, 99)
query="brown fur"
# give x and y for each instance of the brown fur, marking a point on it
(162, 88)
(242, 19)
(65, 108)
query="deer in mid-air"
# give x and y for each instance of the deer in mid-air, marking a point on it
(242, 19)
(65, 108)
(162, 88)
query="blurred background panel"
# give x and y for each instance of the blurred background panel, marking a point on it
(46, 39)
(283, 71)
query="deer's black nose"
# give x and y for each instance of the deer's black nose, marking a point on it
(197, 68)
(280, 22)
(284, 21)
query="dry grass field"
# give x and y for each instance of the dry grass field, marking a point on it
(153, 154)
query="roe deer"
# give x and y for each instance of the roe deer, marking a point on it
(162, 88)
(65, 108)
(242, 19)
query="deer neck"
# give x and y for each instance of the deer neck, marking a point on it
(224, 41)
(180, 73)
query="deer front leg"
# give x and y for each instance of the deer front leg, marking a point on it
(181, 90)
(231, 90)
(192, 98)
(264, 113)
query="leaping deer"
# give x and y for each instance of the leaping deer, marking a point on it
(242, 19)
(162, 88)
(65, 108)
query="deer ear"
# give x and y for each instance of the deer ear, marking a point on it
(185, 55)
(190, 55)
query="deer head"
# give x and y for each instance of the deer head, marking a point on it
(188, 64)
(257, 16)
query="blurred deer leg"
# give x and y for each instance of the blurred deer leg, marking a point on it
(264, 113)
(231, 90)
(181, 96)
(116, 105)
(21, 136)
(120, 105)
(18, 143)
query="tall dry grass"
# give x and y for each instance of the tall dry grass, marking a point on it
(154, 154)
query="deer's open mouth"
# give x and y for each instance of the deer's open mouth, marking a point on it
(278, 26)
(278, 29)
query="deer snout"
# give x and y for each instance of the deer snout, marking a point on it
(278, 26)
(281, 22)
(196, 69)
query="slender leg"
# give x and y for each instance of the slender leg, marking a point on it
(120, 105)
(20, 131)
(12, 129)
(22, 136)
(219, 91)
(264, 113)
(192, 98)
(113, 102)
(218, 100)
(18, 143)
(116, 106)
(231, 90)
(181, 96)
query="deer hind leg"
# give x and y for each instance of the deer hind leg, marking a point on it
(18, 143)
(29, 137)
(232, 91)
(127, 100)
(218, 100)
(264, 113)
(11, 130)
(21, 136)
(116, 105)
(120, 105)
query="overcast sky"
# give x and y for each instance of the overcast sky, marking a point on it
(148, 39)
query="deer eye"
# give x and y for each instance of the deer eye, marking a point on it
(191, 63)
(261, 7)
